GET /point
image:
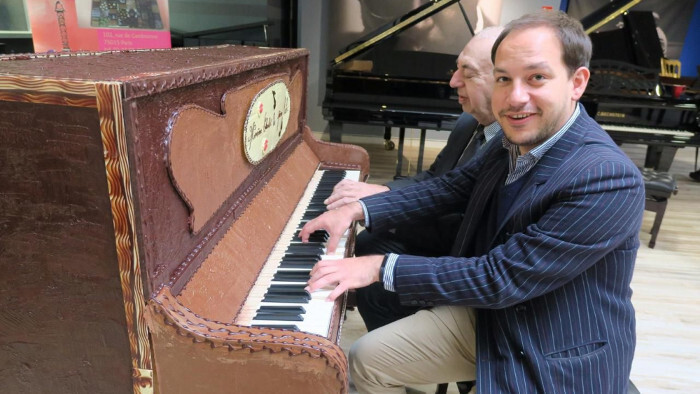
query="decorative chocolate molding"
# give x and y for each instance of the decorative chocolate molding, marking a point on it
(49, 98)
(162, 82)
(354, 157)
(110, 110)
(47, 85)
(205, 155)
(213, 334)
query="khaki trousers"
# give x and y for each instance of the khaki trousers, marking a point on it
(435, 345)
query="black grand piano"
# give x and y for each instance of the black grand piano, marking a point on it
(626, 94)
(372, 83)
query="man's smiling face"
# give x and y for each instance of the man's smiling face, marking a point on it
(534, 95)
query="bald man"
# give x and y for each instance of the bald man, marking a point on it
(473, 81)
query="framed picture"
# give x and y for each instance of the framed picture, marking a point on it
(98, 25)
(13, 18)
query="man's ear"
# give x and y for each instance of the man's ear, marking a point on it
(580, 81)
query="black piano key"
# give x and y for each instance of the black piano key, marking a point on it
(291, 276)
(304, 247)
(313, 239)
(300, 255)
(286, 299)
(303, 255)
(321, 235)
(288, 289)
(298, 264)
(295, 258)
(278, 316)
(312, 243)
(282, 326)
(310, 214)
(295, 309)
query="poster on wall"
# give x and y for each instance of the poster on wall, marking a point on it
(98, 25)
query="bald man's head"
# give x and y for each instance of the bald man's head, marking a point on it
(474, 76)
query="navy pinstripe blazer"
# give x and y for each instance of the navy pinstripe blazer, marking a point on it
(552, 289)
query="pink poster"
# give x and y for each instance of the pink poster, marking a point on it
(98, 25)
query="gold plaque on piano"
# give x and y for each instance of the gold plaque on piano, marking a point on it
(266, 121)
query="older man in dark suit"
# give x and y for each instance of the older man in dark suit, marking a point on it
(552, 215)
(473, 81)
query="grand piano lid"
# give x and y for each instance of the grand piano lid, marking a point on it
(398, 25)
(598, 18)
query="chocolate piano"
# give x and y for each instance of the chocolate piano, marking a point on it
(150, 201)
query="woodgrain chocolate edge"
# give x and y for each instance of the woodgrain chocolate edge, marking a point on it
(110, 110)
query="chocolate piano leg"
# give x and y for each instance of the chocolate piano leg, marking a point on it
(659, 157)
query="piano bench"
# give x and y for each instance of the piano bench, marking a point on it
(658, 186)
(462, 387)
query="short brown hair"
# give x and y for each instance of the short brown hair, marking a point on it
(576, 45)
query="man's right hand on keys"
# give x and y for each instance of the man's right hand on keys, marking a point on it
(347, 191)
(335, 222)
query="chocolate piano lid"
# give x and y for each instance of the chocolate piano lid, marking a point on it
(198, 64)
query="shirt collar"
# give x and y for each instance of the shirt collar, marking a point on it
(491, 130)
(539, 151)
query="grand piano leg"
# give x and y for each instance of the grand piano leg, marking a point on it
(660, 157)
(399, 160)
(335, 131)
(419, 165)
(388, 143)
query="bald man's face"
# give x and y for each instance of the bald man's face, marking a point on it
(474, 79)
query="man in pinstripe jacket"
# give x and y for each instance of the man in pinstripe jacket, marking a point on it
(552, 214)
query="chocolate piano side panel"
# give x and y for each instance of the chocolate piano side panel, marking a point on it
(60, 295)
(206, 158)
(195, 354)
(163, 231)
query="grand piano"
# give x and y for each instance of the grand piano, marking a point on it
(372, 83)
(627, 96)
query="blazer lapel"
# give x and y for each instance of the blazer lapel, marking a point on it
(491, 176)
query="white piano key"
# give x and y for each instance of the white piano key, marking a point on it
(681, 134)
